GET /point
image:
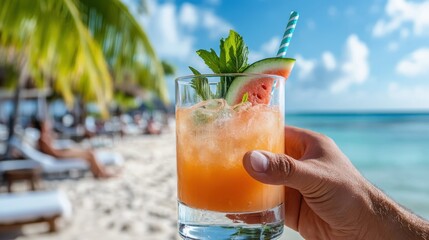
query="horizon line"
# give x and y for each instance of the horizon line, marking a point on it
(360, 112)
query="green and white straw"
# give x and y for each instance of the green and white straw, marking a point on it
(287, 36)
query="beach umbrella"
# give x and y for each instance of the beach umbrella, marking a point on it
(78, 47)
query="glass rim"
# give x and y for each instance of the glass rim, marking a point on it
(187, 78)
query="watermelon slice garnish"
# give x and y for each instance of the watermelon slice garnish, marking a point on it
(259, 89)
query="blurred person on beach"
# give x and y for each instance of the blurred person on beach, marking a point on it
(46, 143)
(326, 197)
(152, 127)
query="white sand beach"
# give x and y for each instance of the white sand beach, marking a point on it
(138, 204)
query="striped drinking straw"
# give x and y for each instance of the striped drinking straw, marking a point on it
(290, 28)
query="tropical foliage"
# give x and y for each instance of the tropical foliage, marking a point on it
(79, 47)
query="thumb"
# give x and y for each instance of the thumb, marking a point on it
(278, 169)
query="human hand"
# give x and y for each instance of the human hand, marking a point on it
(326, 197)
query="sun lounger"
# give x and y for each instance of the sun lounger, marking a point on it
(64, 144)
(52, 166)
(18, 170)
(31, 136)
(109, 158)
(49, 164)
(3, 132)
(18, 209)
(12, 165)
(105, 157)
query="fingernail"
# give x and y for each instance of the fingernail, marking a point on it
(258, 161)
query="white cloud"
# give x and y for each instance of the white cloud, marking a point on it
(188, 15)
(415, 64)
(401, 12)
(166, 35)
(172, 28)
(214, 25)
(255, 56)
(391, 97)
(268, 49)
(337, 75)
(383, 27)
(328, 61)
(193, 17)
(414, 96)
(355, 67)
(271, 47)
(304, 67)
(393, 87)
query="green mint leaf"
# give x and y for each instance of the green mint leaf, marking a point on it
(211, 59)
(223, 57)
(245, 98)
(201, 85)
(233, 54)
(232, 58)
(194, 71)
(241, 55)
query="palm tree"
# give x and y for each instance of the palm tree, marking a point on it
(78, 47)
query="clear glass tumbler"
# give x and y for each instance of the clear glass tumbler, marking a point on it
(217, 199)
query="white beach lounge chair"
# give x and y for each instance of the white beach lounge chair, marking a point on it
(22, 208)
(11, 165)
(32, 135)
(109, 158)
(3, 132)
(18, 165)
(52, 166)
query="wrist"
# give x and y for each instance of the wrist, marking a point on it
(391, 221)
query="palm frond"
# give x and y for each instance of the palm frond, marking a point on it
(57, 46)
(168, 68)
(125, 45)
(72, 43)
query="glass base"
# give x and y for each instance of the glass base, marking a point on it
(203, 224)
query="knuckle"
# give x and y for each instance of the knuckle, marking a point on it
(325, 138)
(326, 141)
(282, 165)
(330, 140)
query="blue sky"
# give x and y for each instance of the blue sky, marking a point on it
(364, 55)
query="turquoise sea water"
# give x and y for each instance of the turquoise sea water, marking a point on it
(390, 149)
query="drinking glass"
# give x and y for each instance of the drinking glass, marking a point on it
(217, 198)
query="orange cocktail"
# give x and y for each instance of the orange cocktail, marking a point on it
(217, 198)
(211, 175)
(219, 118)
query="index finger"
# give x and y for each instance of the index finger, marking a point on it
(302, 143)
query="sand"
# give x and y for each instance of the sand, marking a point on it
(138, 204)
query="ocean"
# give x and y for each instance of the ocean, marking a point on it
(391, 150)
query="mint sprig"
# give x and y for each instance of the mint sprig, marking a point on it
(210, 59)
(232, 59)
(201, 85)
(233, 54)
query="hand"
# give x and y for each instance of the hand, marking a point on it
(326, 197)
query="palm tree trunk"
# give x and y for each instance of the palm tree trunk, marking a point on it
(15, 110)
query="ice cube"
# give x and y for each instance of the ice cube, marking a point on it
(208, 111)
(242, 106)
(224, 115)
